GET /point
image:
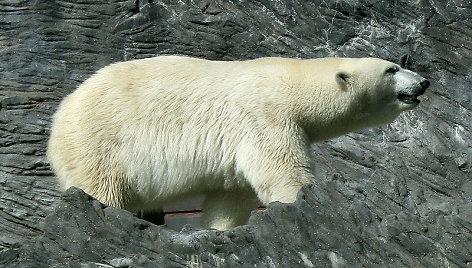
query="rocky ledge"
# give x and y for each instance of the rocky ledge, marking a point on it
(325, 227)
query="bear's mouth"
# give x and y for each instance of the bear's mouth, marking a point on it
(408, 99)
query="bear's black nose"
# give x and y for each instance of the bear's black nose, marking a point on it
(424, 84)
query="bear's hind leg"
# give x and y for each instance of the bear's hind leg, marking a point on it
(112, 190)
(223, 210)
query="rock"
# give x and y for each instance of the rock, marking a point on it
(324, 227)
(398, 195)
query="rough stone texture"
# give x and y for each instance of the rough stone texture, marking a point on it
(398, 195)
(83, 233)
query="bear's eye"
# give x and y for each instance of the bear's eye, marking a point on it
(392, 70)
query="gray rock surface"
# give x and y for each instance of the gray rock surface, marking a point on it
(324, 228)
(398, 195)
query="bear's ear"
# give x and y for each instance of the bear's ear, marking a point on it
(342, 78)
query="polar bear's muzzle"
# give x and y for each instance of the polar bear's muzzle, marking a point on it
(412, 97)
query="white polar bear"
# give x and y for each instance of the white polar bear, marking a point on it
(142, 133)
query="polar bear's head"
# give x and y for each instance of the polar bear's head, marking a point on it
(379, 90)
(355, 93)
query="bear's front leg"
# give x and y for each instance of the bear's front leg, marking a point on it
(277, 170)
(281, 186)
(223, 210)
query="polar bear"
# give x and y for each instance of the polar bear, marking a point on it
(143, 133)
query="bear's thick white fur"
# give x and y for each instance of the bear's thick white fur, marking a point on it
(142, 133)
